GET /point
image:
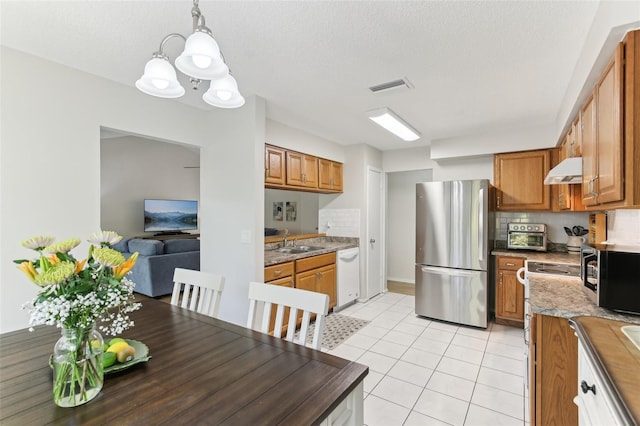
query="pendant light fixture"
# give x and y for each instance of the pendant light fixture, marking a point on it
(200, 60)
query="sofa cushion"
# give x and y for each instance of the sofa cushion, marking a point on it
(122, 246)
(181, 245)
(146, 247)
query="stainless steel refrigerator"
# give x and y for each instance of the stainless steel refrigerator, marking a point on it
(452, 235)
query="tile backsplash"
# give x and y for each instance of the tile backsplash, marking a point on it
(555, 223)
(623, 226)
(339, 222)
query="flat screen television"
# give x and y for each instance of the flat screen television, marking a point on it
(167, 217)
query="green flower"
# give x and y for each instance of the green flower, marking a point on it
(56, 274)
(108, 257)
(63, 246)
(104, 237)
(38, 242)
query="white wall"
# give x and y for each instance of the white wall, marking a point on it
(284, 136)
(133, 169)
(50, 169)
(232, 192)
(401, 223)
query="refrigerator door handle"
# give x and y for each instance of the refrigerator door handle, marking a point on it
(481, 238)
(447, 271)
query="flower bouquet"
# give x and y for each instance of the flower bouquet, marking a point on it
(75, 296)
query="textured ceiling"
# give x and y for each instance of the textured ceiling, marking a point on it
(476, 66)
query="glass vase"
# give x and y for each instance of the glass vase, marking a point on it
(77, 366)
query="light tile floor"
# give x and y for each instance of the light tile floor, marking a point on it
(424, 372)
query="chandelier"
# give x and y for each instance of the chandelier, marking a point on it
(200, 60)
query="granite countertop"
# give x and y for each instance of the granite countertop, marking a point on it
(564, 297)
(329, 244)
(541, 256)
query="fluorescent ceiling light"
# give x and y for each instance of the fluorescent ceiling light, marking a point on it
(386, 118)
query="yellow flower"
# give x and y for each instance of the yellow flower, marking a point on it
(57, 274)
(108, 257)
(53, 259)
(122, 270)
(38, 242)
(63, 246)
(29, 270)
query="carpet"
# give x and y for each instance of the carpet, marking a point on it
(337, 329)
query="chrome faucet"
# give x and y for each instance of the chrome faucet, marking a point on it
(284, 237)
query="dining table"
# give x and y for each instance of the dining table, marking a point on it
(201, 370)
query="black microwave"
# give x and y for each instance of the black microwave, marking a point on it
(613, 272)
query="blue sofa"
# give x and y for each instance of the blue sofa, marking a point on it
(153, 271)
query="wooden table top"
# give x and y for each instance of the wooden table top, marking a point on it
(202, 371)
(617, 360)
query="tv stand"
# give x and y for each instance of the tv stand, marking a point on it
(172, 236)
(163, 233)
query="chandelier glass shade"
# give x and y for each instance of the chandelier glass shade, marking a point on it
(160, 79)
(223, 93)
(200, 60)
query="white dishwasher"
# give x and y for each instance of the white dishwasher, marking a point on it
(348, 269)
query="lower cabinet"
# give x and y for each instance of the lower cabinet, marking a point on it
(594, 406)
(318, 273)
(315, 273)
(553, 362)
(280, 274)
(509, 291)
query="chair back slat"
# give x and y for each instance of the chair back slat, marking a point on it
(197, 291)
(308, 302)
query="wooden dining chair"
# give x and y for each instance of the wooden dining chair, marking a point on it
(200, 291)
(308, 302)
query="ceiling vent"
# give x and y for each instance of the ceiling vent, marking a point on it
(392, 86)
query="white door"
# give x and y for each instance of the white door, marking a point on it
(374, 240)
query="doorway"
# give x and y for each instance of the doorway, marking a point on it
(375, 266)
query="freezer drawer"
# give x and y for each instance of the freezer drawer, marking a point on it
(454, 295)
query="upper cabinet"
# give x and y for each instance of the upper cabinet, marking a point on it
(565, 197)
(603, 151)
(610, 130)
(302, 170)
(293, 170)
(274, 165)
(329, 175)
(519, 180)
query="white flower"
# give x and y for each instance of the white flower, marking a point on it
(38, 242)
(104, 237)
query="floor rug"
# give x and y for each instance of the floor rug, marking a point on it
(337, 329)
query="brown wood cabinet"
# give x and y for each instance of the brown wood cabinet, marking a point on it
(329, 175)
(565, 197)
(553, 370)
(302, 170)
(315, 273)
(280, 274)
(611, 132)
(509, 292)
(291, 170)
(519, 180)
(318, 273)
(603, 150)
(274, 165)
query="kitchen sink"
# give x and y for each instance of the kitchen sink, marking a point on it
(633, 333)
(298, 249)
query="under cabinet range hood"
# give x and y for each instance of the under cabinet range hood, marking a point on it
(568, 171)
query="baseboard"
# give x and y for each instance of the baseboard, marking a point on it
(401, 287)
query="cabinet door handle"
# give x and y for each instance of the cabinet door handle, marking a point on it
(278, 272)
(586, 388)
(510, 264)
(500, 281)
